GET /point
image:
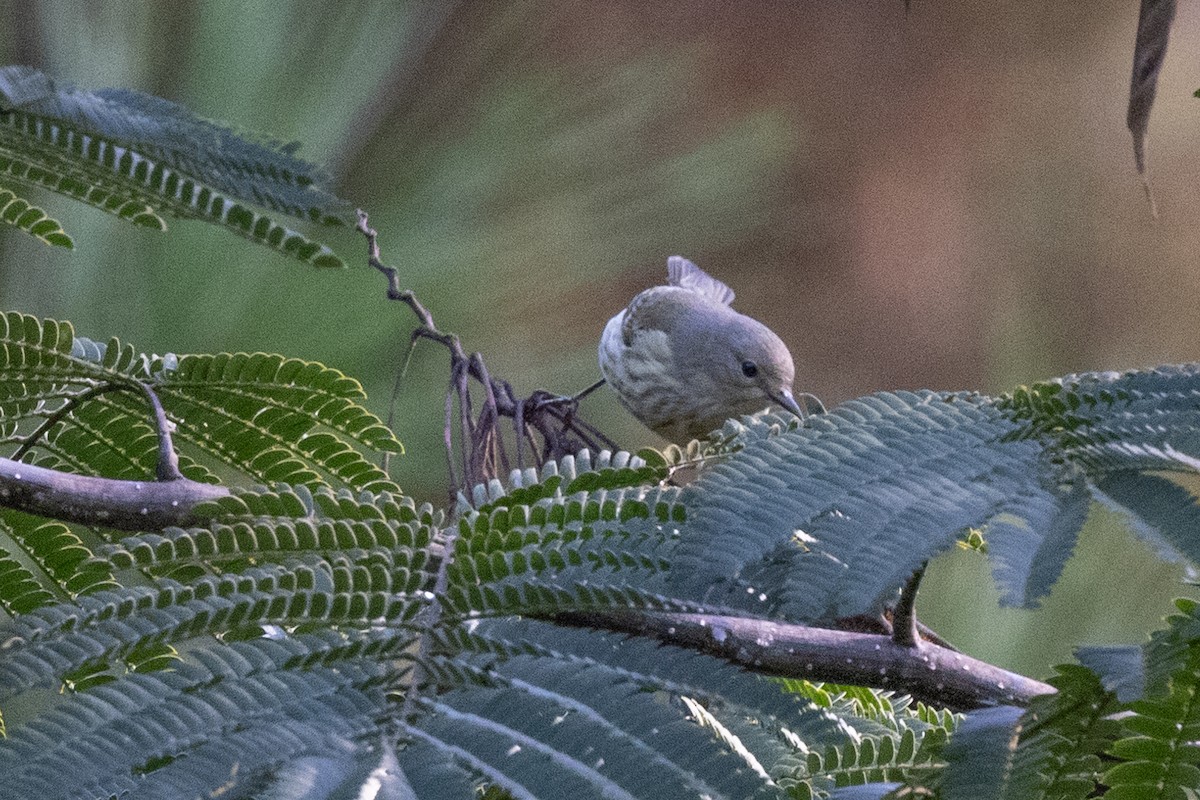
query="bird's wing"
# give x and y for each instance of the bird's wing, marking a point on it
(686, 275)
(667, 310)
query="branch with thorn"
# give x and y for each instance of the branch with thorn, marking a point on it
(896, 654)
(125, 505)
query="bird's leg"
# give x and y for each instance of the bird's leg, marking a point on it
(571, 400)
(562, 409)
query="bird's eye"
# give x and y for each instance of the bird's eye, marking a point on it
(749, 369)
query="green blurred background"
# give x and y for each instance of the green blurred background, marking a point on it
(942, 198)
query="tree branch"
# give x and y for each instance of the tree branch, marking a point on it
(121, 504)
(168, 460)
(931, 674)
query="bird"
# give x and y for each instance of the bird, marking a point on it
(682, 361)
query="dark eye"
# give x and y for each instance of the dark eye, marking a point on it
(749, 369)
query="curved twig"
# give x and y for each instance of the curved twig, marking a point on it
(167, 467)
(59, 414)
(482, 449)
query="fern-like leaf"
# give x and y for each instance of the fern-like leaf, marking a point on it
(232, 705)
(1158, 744)
(132, 154)
(980, 756)
(65, 179)
(857, 501)
(588, 690)
(271, 418)
(1161, 752)
(319, 632)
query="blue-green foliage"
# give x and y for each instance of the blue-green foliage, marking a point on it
(317, 634)
(311, 626)
(323, 623)
(883, 483)
(269, 418)
(138, 156)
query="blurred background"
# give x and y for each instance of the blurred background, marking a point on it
(943, 198)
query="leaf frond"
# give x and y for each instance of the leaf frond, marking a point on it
(135, 155)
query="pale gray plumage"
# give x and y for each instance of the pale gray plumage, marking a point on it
(683, 361)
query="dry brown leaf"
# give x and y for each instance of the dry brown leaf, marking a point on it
(1154, 29)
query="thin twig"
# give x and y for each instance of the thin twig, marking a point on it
(462, 391)
(482, 450)
(61, 413)
(520, 432)
(400, 376)
(448, 441)
(571, 399)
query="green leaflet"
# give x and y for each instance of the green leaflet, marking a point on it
(136, 156)
(17, 212)
(871, 761)
(21, 590)
(1156, 744)
(66, 180)
(1160, 751)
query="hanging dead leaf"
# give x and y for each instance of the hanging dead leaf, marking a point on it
(1154, 28)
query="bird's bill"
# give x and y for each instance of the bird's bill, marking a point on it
(784, 398)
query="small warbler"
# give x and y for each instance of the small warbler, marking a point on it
(683, 361)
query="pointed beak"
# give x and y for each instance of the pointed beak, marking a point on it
(784, 398)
